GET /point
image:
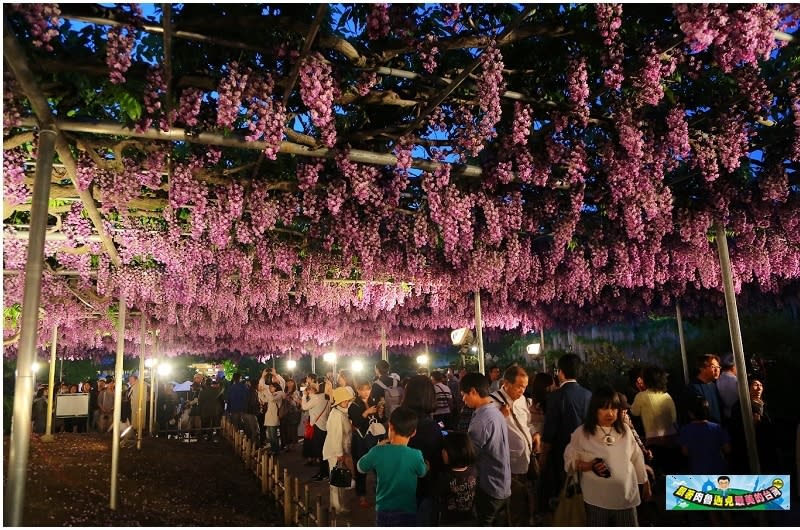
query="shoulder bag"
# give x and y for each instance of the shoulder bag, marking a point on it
(570, 510)
(341, 477)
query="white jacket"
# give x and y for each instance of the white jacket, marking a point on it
(337, 442)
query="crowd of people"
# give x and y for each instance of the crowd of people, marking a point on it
(453, 448)
(98, 416)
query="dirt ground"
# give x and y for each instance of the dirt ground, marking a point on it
(166, 483)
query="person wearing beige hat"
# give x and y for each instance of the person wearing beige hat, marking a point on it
(337, 447)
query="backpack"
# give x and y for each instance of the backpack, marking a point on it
(393, 396)
(444, 397)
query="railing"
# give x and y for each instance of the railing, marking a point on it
(280, 488)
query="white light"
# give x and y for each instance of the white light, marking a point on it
(422, 359)
(329, 357)
(474, 349)
(149, 363)
(534, 349)
(164, 369)
(35, 367)
(357, 366)
(291, 364)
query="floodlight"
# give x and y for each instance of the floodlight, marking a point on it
(474, 349)
(164, 369)
(534, 349)
(461, 336)
(35, 366)
(422, 359)
(291, 364)
(357, 366)
(329, 357)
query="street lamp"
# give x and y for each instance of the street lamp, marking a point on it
(164, 369)
(535, 349)
(330, 358)
(422, 360)
(357, 366)
(291, 364)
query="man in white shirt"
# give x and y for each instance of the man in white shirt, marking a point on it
(727, 385)
(514, 406)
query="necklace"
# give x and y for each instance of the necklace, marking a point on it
(607, 439)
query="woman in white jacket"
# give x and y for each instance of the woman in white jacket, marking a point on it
(337, 448)
(604, 450)
(317, 405)
(271, 395)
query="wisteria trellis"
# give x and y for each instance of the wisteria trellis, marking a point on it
(608, 139)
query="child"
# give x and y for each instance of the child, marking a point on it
(398, 467)
(363, 412)
(704, 441)
(457, 484)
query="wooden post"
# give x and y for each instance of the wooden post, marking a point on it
(319, 512)
(265, 474)
(296, 501)
(307, 505)
(287, 498)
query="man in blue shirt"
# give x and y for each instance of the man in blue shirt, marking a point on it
(704, 385)
(489, 434)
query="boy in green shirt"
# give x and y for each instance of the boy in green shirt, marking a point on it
(397, 467)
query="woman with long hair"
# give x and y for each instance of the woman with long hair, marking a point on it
(291, 419)
(420, 396)
(604, 451)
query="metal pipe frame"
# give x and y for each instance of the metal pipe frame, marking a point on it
(23, 391)
(112, 503)
(48, 436)
(738, 348)
(479, 333)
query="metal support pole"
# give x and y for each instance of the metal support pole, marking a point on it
(153, 375)
(479, 332)
(117, 402)
(738, 348)
(541, 350)
(26, 354)
(140, 403)
(384, 352)
(683, 342)
(48, 436)
(313, 364)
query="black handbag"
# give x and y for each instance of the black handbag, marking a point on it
(341, 477)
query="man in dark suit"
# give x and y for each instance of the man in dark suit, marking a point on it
(566, 408)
